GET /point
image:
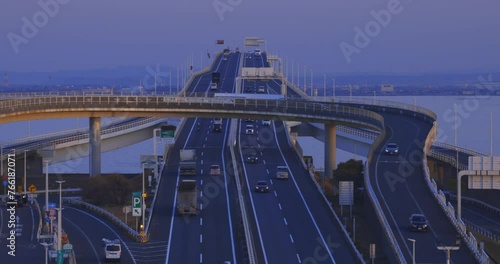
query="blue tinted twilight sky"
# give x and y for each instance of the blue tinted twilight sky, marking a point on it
(400, 36)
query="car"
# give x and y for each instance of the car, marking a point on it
(213, 86)
(249, 120)
(248, 90)
(214, 170)
(261, 89)
(224, 58)
(261, 186)
(249, 130)
(112, 249)
(257, 52)
(252, 158)
(391, 149)
(282, 172)
(418, 222)
(266, 122)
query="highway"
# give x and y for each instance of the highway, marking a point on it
(293, 224)
(210, 236)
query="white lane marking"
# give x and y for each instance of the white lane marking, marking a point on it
(86, 237)
(201, 193)
(291, 238)
(275, 194)
(279, 205)
(201, 162)
(325, 245)
(201, 258)
(201, 221)
(202, 153)
(271, 180)
(264, 161)
(286, 223)
(201, 182)
(201, 171)
(251, 201)
(298, 258)
(201, 238)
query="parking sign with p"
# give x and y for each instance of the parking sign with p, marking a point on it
(136, 204)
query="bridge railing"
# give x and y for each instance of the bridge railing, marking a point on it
(82, 135)
(377, 102)
(58, 133)
(160, 104)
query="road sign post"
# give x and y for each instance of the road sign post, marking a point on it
(136, 204)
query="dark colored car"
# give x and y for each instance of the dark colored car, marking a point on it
(262, 186)
(391, 149)
(418, 222)
(252, 158)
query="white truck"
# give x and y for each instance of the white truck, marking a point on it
(187, 198)
(187, 164)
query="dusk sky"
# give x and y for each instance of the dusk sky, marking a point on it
(421, 35)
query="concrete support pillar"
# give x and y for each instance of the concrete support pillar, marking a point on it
(330, 149)
(95, 146)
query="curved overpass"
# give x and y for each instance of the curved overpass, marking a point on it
(111, 106)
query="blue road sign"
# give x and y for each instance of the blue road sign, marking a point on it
(52, 205)
(4, 183)
(47, 219)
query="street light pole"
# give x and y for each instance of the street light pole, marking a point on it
(413, 242)
(46, 245)
(46, 185)
(60, 255)
(154, 149)
(143, 200)
(24, 185)
(334, 90)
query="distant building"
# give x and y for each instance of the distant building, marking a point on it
(387, 88)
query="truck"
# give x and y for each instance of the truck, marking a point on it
(216, 77)
(187, 164)
(217, 125)
(187, 198)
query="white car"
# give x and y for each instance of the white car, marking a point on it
(266, 122)
(112, 249)
(249, 130)
(213, 86)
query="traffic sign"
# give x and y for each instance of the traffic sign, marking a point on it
(144, 195)
(47, 219)
(52, 212)
(32, 188)
(4, 183)
(136, 204)
(52, 205)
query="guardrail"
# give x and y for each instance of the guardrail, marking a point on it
(246, 224)
(459, 225)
